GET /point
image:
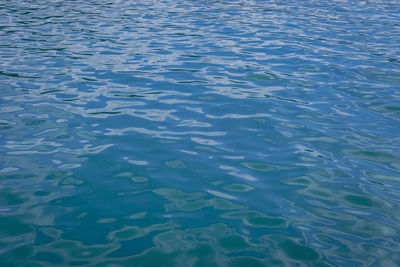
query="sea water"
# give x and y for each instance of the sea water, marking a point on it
(199, 133)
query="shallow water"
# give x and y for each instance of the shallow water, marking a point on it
(199, 133)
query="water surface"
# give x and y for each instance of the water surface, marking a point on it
(199, 133)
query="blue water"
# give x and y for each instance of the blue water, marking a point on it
(199, 133)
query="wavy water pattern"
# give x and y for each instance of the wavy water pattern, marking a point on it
(199, 133)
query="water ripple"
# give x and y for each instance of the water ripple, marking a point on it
(199, 133)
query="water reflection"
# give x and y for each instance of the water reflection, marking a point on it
(190, 133)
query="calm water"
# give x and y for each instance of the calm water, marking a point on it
(199, 133)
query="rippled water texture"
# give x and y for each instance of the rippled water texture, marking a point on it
(199, 133)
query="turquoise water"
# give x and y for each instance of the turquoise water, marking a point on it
(199, 133)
